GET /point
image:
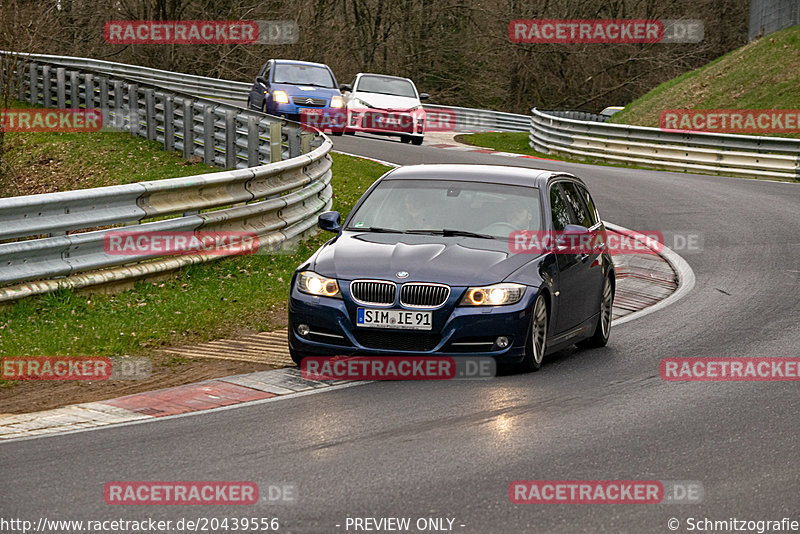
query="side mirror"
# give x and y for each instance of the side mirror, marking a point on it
(261, 81)
(424, 96)
(330, 221)
(346, 87)
(575, 229)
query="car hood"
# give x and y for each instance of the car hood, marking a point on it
(386, 101)
(305, 90)
(457, 261)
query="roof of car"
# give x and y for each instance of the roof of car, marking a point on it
(501, 174)
(383, 76)
(298, 62)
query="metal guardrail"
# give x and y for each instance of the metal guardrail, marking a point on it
(281, 184)
(703, 152)
(477, 120)
(466, 119)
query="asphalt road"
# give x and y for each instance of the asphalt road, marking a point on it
(434, 449)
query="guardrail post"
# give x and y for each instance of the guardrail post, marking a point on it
(61, 87)
(230, 138)
(293, 137)
(169, 123)
(34, 77)
(253, 141)
(103, 82)
(19, 75)
(119, 113)
(208, 135)
(305, 142)
(150, 113)
(47, 87)
(74, 90)
(275, 138)
(88, 89)
(188, 128)
(133, 109)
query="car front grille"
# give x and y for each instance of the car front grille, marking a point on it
(309, 101)
(373, 292)
(410, 341)
(415, 295)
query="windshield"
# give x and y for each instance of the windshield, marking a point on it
(386, 86)
(418, 206)
(303, 75)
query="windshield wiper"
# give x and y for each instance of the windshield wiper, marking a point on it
(376, 229)
(451, 233)
(310, 84)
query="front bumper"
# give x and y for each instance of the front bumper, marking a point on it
(457, 331)
(386, 122)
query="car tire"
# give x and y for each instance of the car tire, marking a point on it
(337, 133)
(405, 139)
(536, 344)
(297, 357)
(602, 329)
(416, 140)
(350, 132)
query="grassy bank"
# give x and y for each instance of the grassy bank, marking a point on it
(47, 162)
(202, 302)
(764, 74)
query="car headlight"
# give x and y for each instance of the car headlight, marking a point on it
(494, 295)
(337, 102)
(313, 284)
(280, 97)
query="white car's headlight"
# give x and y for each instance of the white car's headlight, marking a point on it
(313, 284)
(337, 102)
(494, 295)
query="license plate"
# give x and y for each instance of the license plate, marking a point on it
(401, 319)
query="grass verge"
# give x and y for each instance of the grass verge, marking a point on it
(199, 303)
(47, 162)
(764, 74)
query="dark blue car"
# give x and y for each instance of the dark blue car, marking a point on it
(296, 90)
(427, 264)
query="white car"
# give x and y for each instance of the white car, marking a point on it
(385, 105)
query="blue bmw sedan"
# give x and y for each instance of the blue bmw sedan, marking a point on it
(426, 264)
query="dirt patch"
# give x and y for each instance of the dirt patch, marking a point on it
(168, 371)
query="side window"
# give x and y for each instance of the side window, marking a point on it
(265, 71)
(575, 202)
(590, 205)
(560, 211)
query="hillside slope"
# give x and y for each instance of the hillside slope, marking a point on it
(764, 74)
